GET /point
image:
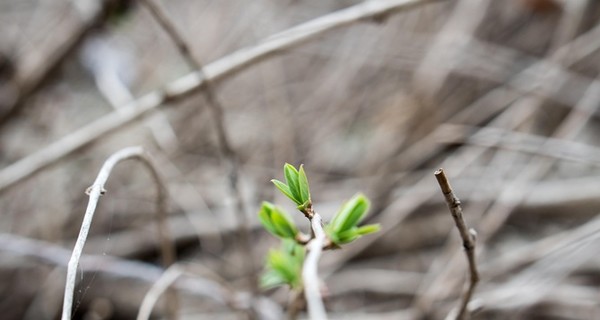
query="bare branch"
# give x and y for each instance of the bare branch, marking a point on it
(310, 277)
(34, 72)
(160, 286)
(216, 71)
(468, 238)
(94, 192)
(227, 152)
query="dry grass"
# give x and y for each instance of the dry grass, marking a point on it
(502, 94)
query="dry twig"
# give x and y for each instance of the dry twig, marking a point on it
(152, 296)
(468, 238)
(227, 152)
(94, 192)
(216, 71)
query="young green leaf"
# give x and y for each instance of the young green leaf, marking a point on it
(347, 236)
(291, 178)
(284, 266)
(276, 221)
(359, 205)
(303, 185)
(285, 190)
(370, 228)
(271, 279)
(284, 224)
(264, 216)
(351, 213)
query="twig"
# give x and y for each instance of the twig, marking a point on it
(310, 277)
(117, 268)
(490, 137)
(227, 152)
(468, 238)
(216, 71)
(152, 296)
(32, 75)
(94, 192)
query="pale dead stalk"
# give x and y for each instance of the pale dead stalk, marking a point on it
(468, 238)
(97, 190)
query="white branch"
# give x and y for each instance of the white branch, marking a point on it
(310, 277)
(94, 192)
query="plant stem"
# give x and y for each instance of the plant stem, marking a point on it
(468, 238)
(310, 277)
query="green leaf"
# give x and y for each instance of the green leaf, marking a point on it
(284, 224)
(370, 228)
(351, 213)
(284, 189)
(347, 236)
(359, 205)
(303, 185)
(291, 178)
(276, 221)
(271, 279)
(264, 215)
(284, 266)
(331, 234)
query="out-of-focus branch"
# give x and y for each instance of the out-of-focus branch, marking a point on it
(310, 277)
(31, 76)
(146, 273)
(94, 192)
(227, 152)
(160, 286)
(468, 238)
(216, 71)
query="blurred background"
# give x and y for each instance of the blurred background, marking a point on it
(502, 94)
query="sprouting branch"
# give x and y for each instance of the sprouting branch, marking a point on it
(310, 277)
(97, 190)
(183, 87)
(468, 238)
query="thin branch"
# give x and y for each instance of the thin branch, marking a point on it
(32, 75)
(310, 277)
(146, 273)
(490, 137)
(183, 87)
(227, 152)
(94, 192)
(468, 238)
(160, 286)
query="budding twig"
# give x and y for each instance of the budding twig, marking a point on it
(310, 277)
(468, 238)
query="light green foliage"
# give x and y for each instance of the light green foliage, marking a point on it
(284, 266)
(295, 186)
(276, 221)
(343, 228)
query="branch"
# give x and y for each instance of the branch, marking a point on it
(94, 192)
(216, 71)
(32, 75)
(160, 286)
(227, 152)
(310, 277)
(146, 273)
(468, 238)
